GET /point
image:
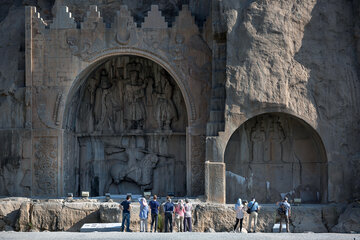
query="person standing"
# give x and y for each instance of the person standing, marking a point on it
(284, 211)
(253, 208)
(187, 216)
(154, 206)
(126, 207)
(144, 211)
(168, 210)
(179, 215)
(239, 209)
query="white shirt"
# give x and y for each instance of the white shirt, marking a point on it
(188, 209)
(240, 211)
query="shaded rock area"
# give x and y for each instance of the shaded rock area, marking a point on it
(21, 214)
(349, 221)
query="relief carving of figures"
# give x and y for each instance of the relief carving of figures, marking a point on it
(179, 48)
(134, 97)
(129, 94)
(165, 109)
(102, 108)
(138, 166)
(276, 137)
(86, 114)
(258, 142)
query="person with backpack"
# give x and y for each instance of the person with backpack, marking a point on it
(284, 210)
(253, 208)
(240, 210)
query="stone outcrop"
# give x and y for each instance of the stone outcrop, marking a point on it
(110, 213)
(244, 76)
(62, 215)
(349, 221)
(293, 57)
(9, 213)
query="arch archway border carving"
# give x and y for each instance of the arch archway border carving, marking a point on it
(59, 57)
(216, 146)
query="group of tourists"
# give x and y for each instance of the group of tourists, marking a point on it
(181, 211)
(252, 208)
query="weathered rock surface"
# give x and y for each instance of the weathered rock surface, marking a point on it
(23, 223)
(349, 221)
(61, 215)
(293, 57)
(331, 213)
(110, 213)
(9, 213)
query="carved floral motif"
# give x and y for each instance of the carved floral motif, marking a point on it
(46, 165)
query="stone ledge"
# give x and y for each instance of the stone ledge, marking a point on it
(22, 214)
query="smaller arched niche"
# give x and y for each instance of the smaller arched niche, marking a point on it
(275, 155)
(129, 119)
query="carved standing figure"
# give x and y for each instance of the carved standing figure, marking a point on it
(134, 96)
(102, 115)
(258, 142)
(165, 109)
(86, 114)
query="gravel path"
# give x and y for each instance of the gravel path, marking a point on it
(172, 236)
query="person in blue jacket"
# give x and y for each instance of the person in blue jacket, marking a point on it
(154, 206)
(144, 211)
(168, 210)
(253, 208)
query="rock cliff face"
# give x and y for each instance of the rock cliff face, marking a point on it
(290, 56)
(298, 57)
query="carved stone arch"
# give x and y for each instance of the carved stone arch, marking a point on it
(98, 59)
(95, 62)
(231, 128)
(280, 143)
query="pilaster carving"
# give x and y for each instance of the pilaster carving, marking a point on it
(45, 166)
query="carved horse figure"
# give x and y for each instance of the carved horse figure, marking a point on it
(142, 174)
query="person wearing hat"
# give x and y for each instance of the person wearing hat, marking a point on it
(284, 211)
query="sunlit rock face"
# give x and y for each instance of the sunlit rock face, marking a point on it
(133, 96)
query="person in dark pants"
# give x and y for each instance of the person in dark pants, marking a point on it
(125, 205)
(187, 216)
(154, 206)
(284, 211)
(168, 210)
(239, 209)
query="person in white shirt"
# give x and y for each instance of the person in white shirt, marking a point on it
(240, 210)
(187, 216)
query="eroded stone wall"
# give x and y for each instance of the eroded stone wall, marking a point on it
(267, 56)
(294, 57)
(275, 155)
